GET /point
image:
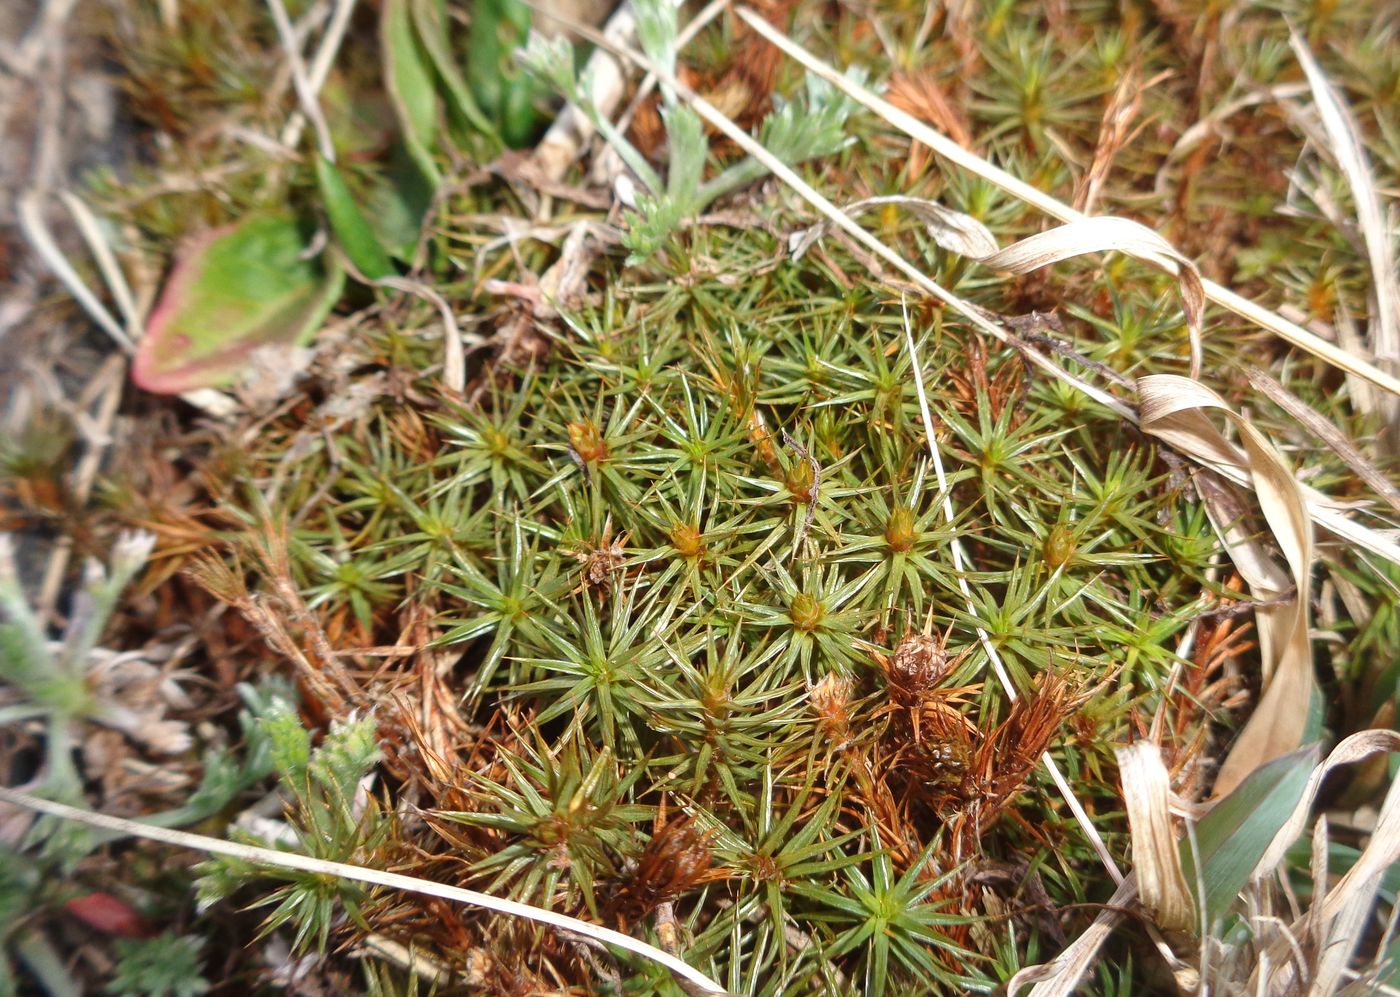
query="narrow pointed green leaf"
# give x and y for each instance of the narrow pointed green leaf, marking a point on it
(349, 223)
(408, 76)
(234, 290)
(432, 34)
(1234, 836)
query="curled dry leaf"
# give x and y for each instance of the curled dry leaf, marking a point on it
(1156, 859)
(1331, 929)
(960, 233)
(1329, 932)
(1097, 235)
(1174, 410)
(951, 230)
(1356, 748)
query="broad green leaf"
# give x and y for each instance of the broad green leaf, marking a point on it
(520, 113)
(236, 289)
(348, 222)
(1235, 834)
(409, 79)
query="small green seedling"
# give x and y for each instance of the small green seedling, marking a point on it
(795, 132)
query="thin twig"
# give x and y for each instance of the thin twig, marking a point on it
(306, 95)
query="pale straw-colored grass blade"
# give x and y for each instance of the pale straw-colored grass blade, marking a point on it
(1156, 858)
(1344, 146)
(950, 150)
(362, 874)
(1174, 409)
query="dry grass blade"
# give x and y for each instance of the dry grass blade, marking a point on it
(1331, 930)
(1213, 124)
(1060, 976)
(951, 230)
(454, 357)
(961, 233)
(360, 874)
(1334, 928)
(1328, 433)
(30, 211)
(1156, 859)
(941, 144)
(1096, 235)
(1344, 145)
(320, 67)
(1319, 510)
(91, 231)
(306, 92)
(1174, 410)
(1116, 130)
